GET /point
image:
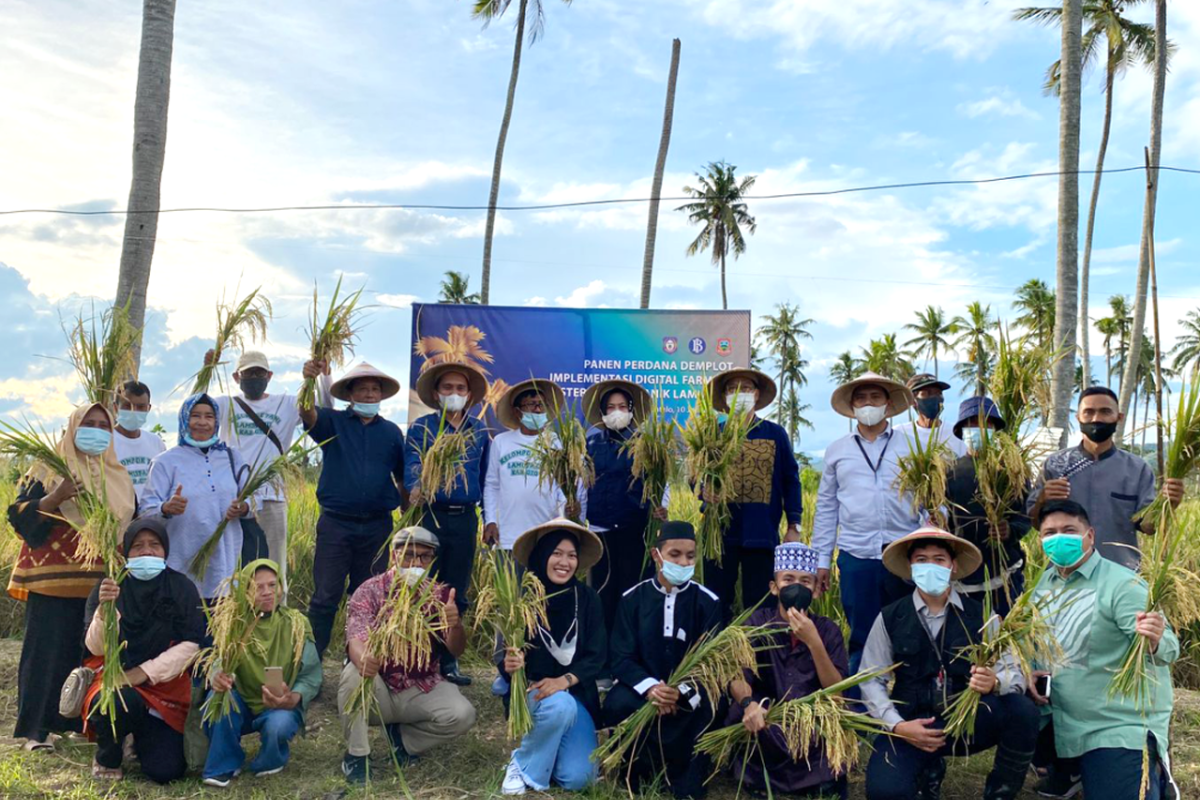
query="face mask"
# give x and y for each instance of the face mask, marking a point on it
(675, 574)
(930, 407)
(797, 596)
(1098, 432)
(132, 420)
(534, 420)
(366, 410)
(870, 416)
(92, 441)
(453, 402)
(254, 388)
(411, 574)
(974, 439)
(740, 402)
(617, 420)
(932, 579)
(146, 568)
(187, 437)
(1063, 549)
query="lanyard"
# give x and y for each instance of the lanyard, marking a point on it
(938, 647)
(874, 467)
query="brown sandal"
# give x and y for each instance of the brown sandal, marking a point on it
(106, 773)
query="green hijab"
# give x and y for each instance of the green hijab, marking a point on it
(277, 641)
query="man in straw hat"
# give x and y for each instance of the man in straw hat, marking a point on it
(416, 706)
(362, 465)
(858, 509)
(615, 508)
(928, 401)
(804, 654)
(452, 516)
(513, 499)
(924, 635)
(766, 488)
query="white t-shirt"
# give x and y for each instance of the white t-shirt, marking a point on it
(945, 433)
(281, 415)
(511, 496)
(135, 455)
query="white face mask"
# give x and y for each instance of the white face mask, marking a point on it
(740, 402)
(411, 574)
(869, 416)
(453, 402)
(618, 420)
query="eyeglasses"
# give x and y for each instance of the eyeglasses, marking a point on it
(418, 558)
(533, 405)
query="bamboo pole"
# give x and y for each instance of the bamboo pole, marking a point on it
(1158, 379)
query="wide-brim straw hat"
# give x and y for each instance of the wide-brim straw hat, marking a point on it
(427, 383)
(966, 555)
(590, 547)
(766, 387)
(341, 387)
(899, 394)
(640, 399)
(508, 415)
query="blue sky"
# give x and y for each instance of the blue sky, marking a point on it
(279, 103)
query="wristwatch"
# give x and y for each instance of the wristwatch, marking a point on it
(745, 702)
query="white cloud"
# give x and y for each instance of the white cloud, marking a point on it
(396, 300)
(1030, 203)
(43, 399)
(997, 105)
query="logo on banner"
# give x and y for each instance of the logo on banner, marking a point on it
(696, 345)
(724, 347)
(670, 344)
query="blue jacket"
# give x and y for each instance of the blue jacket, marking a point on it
(766, 486)
(421, 435)
(615, 498)
(362, 464)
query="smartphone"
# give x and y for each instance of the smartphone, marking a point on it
(274, 680)
(1041, 685)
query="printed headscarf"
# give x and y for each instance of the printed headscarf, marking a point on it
(185, 414)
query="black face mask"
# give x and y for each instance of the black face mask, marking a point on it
(797, 596)
(930, 407)
(254, 388)
(1098, 432)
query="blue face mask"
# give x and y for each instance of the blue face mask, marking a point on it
(675, 574)
(146, 568)
(187, 437)
(1063, 549)
(131, 420)
(534, 420)
(932, 579)
(92, 441)
(974, 439)
(365, 410)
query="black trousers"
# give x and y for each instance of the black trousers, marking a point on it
(347, 554)
(159, 747)
(1009, 723)
(667, 746)
(623, 564)
(51, 648)
(1108, 772)
(757, 568)
(457, 529)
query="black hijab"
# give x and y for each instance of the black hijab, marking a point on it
(562, 601)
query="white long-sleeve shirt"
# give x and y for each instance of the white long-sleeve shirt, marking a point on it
(512, 497)
(944, 431)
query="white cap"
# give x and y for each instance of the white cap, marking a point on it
(251, 359)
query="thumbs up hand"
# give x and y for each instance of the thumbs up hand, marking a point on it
(453, 619)
(177, 504)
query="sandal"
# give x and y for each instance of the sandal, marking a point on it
(33, 745)
(106, 773)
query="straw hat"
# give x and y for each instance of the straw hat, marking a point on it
(341, 387)
(590, 548)
(508, 415)
(766, 387)
(428, 381)
(899, 394)
(895, 555)
(639, 398)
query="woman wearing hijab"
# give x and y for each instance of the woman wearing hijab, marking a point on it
(194, 486)
(162, 625)
(49, 578)
(562, 664)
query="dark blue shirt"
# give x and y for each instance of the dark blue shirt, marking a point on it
(766, 485)
(421, 435)
(362, 463)
(615, 497)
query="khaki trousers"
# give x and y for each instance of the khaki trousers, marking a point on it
(426, 719)
(272, 516)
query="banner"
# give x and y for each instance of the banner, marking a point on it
(670, 353)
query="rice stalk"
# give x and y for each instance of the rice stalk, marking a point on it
(247, 320)
(333, 336)
(104, 355)
(654, 451)
(560, 455)
(922, 477)
(1020, 383)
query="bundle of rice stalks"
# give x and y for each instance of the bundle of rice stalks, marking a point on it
(1003, 471)
(560, 455)
(104, 356)
(922, 477)
(333, 337)
(514, 608)
(1025, 633)
(822, 719)
(712, 449)
(710, 664)
(289, 463)
(654, 448)
(235, 324)
(1020, 382)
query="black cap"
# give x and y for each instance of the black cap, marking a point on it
(155, 524)
(675, 529)
(925, 380)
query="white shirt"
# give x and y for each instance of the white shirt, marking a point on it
(135, 455)
(512, 497)
(944, 431)
(239, 431)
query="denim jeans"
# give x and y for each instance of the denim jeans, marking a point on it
(276, 726)
(560, 746)
(866, 588)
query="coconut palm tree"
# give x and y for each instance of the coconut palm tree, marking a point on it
(1120, 322)
(488, 11)
(885, 357)
(723, 215)
(1037, 304)
(456, 291)
(932, 330)
(1126, 42)
(1187, 347)
(1108, 329)
(660, 166)
(978, 343)
(790, 415)
(782, 334)
(844, 369)
(149, 153)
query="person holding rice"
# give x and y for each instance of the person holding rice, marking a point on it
(657, 621)
(925, 634)
(417, 707)
(805, 654)
(362, 465)
(563, 662)
(162, 627)
(929, 400)
(193, 486)
(270, 688)
(452, 389)
(135, 447)
(49, 577)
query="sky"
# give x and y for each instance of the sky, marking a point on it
(281, 103)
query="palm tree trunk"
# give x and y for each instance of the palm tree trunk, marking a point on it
(1143, 279)
(935, 363)
(660, 165)
(149, 154)
(1108, 365)
(494, 194)
(1085, 326)
(1067, 300)
(980, 378)
(724, 296)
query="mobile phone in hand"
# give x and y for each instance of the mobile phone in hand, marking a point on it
(1041, 685)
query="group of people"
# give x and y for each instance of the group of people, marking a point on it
(617, 623)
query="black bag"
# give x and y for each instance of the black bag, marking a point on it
(254, 538)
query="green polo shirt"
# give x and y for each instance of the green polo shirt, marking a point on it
(1093, 614)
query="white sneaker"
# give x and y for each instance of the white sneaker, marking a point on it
(513, 782)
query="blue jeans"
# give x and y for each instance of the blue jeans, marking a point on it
(866, 588)
(560, 745)
(276, 726)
